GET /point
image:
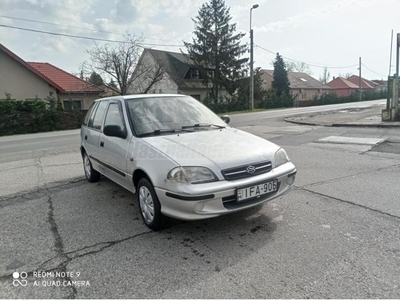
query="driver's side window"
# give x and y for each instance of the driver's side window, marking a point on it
(114, 116)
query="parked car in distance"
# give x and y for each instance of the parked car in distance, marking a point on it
(179, 158)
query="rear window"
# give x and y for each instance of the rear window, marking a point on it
(86, 120)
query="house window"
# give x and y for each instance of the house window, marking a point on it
(72, 104)
(210, 74)
(197, 97)
(195, 74)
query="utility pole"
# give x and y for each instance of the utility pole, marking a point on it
(251, 72)
(251, 62)
(359, 79)
(396, 81)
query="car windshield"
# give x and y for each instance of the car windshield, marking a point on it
(170, 114)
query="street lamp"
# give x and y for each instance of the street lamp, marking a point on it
(251, 61)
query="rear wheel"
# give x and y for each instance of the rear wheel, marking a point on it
(149, 205)
(91, 174)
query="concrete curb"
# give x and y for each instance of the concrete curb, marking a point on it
(344, 124)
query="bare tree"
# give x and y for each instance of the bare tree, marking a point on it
(324, 78)
(345, 75)
(301, 67)
(119, 64)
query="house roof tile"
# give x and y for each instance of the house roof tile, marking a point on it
(66, 82)
(341, 83)
(300, 80)
(365, 83)
(176, 65)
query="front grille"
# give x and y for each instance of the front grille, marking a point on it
(241, 172)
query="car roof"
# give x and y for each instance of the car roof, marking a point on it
(137, 96)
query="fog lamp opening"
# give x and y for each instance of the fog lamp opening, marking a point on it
(290, 180)
(199, 206)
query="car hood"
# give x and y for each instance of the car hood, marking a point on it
(214, 148)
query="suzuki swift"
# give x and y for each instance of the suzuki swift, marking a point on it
(179, 158)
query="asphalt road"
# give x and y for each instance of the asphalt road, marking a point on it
(335, 235)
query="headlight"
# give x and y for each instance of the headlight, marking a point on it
(191, 175)
(281, 158)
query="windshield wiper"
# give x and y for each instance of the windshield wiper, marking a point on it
(160, 131)
(202, 125)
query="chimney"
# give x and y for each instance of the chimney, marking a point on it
(334, 77)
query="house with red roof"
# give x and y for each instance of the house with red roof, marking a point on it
(365, 83)
(342, 87)
(302, 86)
(30, 80)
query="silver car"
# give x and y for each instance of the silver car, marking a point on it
(179, 158)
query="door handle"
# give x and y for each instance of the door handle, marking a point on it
(102, 144)
(85, 137)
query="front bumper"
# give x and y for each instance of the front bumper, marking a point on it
(219, 198)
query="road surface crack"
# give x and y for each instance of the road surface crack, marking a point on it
(347, 176)
(349, 202)
(59, 246)
(40, 192)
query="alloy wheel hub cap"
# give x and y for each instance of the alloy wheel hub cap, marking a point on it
(146, 204)
(87, 166)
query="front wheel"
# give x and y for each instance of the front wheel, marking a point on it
(91, 174)
(149, 206)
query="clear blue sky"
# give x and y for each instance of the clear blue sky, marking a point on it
(323, 32)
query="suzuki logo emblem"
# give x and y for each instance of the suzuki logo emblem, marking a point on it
(250, 169)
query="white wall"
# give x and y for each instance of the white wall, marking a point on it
(165, 86)
(20, 82)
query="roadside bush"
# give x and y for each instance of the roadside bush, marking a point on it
(332, 98)
(272, 100)
(226, 104)
(239, 102)
(32, 116)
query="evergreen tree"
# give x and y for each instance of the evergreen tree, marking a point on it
(281, 81)
(96, 79)
(216, 48)
(243, 90)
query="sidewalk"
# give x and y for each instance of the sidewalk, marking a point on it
(350, 117)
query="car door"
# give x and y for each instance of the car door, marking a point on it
(92, 135)
(113, 150)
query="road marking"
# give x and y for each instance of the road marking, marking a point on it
(350, 140)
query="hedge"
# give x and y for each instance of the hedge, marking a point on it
(33, 116)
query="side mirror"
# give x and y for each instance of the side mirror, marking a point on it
(226, 119)
(114, 130)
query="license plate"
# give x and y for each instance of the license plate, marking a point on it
(257, 190)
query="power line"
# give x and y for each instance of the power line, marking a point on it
(309, 64)
(373, 71)
(74, 27)
(83, 37)
(57, 24)
(150, 44)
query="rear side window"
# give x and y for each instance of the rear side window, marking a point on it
(86, 120)
(90, 124)
(99, 115)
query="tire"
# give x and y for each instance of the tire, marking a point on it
(149, 205)
(91, 174)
